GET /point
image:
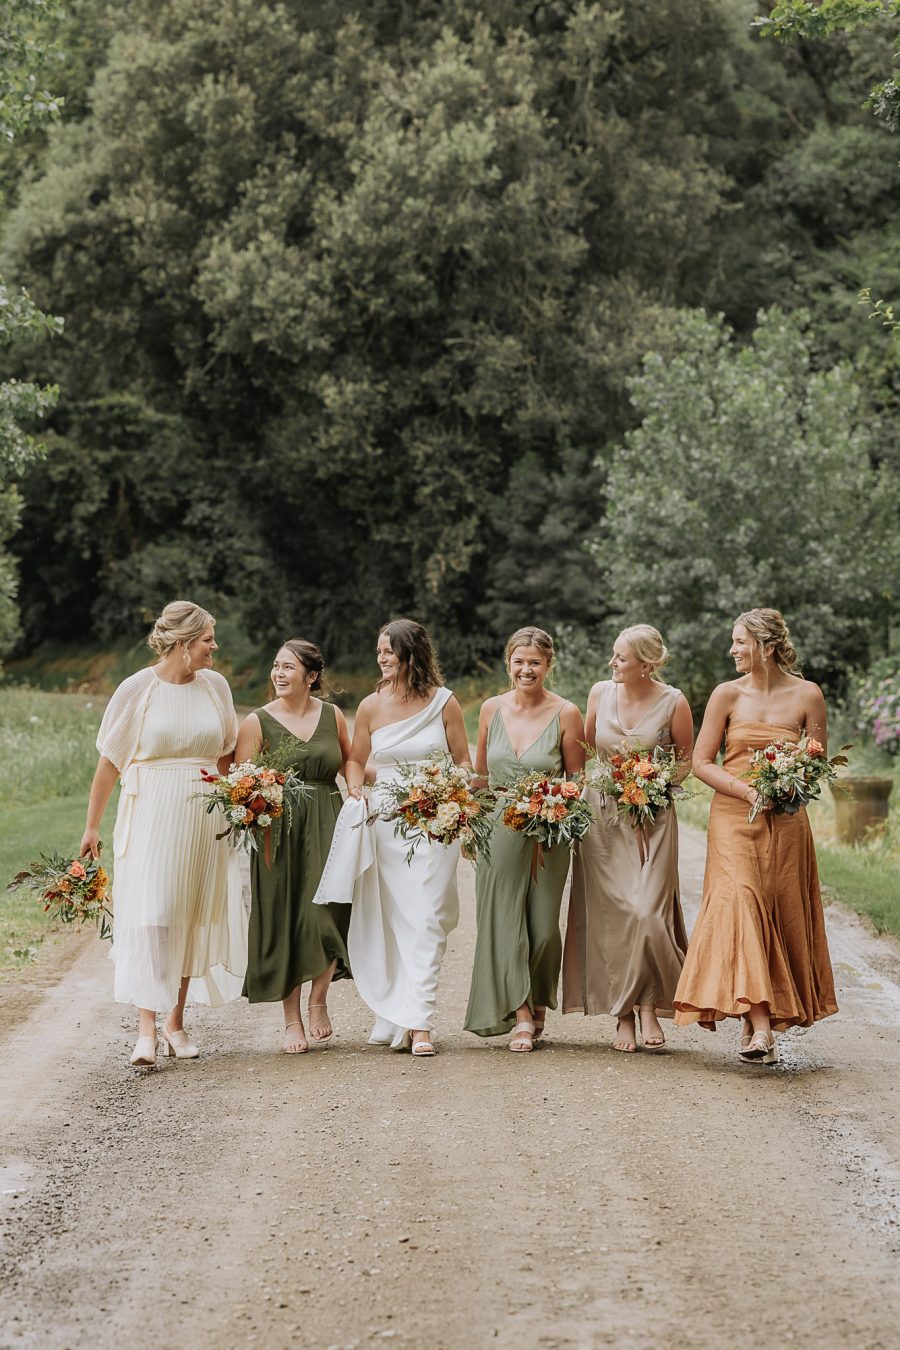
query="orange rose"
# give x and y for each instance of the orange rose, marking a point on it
(560, 811)
(76, 870)
(815, 747)
(644, 769)
(569, 789)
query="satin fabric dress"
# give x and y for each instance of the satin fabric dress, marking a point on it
(518, 947)
(177, 889)
(291, 940)
(625, 936)
(402, 912)
(760, 933)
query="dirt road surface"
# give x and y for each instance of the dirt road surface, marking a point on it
(354, 1196)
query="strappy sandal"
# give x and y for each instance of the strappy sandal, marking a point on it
(651, 1042)
(762, 1049)
(522, 1039)
(319, 1022)
(629, 1047)
(539, 1024)
(303, 1050)
(422, 1048)
(746, 1035)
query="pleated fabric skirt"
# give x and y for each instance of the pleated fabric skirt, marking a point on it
(177, 893)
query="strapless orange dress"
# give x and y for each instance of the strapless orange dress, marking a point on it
(760, 933)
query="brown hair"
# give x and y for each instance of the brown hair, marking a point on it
(767, 626)
(531, 637)
(647, 645)
(411, 644)
(180, 621)
(311, 659)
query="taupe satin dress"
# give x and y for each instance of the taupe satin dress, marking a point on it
(625, 938)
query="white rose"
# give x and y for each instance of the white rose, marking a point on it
(447, 815)
(434, 827)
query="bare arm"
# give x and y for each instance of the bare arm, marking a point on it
(455, 729)
(104, 781)
(249, 741)
(590, 722)
(709, 740)
(572, 742)
(488, 708)
(816, 715)
(355, 767)
(344, 738)
(682, 729)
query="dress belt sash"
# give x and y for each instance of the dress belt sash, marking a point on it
(131, 780)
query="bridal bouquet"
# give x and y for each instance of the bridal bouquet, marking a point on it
(642, 782)
(790, 773)
(549, 810)
(254, 799)
(73, 890)
(434, 801)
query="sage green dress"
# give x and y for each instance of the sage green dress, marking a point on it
(291, 940)
(518, 948)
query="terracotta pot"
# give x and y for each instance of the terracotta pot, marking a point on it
(860, 805)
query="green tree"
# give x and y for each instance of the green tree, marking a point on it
(23, 104)
(750, 482)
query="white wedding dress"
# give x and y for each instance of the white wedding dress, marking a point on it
(402, 912)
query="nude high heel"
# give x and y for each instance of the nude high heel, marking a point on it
(176, 1043)
(762, 1049)
(143, 1055)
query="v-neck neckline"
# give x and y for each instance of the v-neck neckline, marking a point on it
(630, 731)
(303, 740)
(533, 743)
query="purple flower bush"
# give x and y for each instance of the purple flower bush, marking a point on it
(878, 704)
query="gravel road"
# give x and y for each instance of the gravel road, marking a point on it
(352, 1196)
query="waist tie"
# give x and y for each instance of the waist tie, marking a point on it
(131, 780)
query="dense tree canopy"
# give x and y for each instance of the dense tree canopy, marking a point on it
(353, 293)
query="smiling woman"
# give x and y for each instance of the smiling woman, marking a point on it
(291, 940)
(758, 950)
(178, 909)
(518, 949)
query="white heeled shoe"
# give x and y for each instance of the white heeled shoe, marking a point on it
(177, 1043)
(144, 1053)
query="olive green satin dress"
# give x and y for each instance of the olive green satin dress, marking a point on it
(291, 940)
(518, 949)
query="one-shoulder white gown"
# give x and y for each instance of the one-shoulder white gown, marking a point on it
(402, 912)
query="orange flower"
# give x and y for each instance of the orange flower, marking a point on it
(644, 769)
(815, 747)
(560, 811)
(569, 789)
(632, 795)
(514, 819)
(76, 870)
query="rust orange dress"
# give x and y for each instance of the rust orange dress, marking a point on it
(760, 933)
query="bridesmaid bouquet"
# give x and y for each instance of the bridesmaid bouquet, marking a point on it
(790, 773)
(73, 890)
(549, 810)
(254, 799)
(434, 801)
(642, 782)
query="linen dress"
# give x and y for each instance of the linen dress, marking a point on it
(178, 907)
(402, 912)
(760, 933)
(518, 946)
(625, 936)
(291, 940)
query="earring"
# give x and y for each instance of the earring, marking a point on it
(185, 655)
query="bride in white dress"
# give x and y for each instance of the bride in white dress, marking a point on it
(402, 912)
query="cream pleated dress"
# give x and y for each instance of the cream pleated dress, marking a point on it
(178, 908)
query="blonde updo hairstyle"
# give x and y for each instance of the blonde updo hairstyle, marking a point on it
(530, 637)
(646, 645)
(181, 621)
(767, 628)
